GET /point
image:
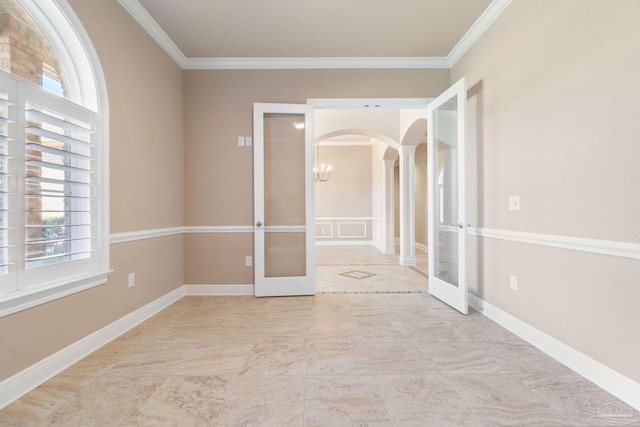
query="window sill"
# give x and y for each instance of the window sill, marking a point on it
(31, 297)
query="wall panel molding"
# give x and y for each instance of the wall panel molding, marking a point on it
(596, 246)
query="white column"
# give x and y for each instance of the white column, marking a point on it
(389, 237)
(407, 209)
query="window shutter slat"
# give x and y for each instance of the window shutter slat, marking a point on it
(5, 192)
(59, 203)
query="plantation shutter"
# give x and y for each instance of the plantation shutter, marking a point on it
(5, 140)
(58, 188)
(48, 205)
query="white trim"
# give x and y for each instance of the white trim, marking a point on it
(615, 383)
(23, 382)
(602, 247)
(345, 243)
(140, 14)
(132, 236)
(218, 229)
(477, 29)
(345, 143)
(344, 218)
(66, 33)
(218, 290)
(23, 299)
(353, 103)
(322, 224)
(596, 246)
(342, 236)
(285, 228)
(421, 247)
(145, 20)
(314, 63)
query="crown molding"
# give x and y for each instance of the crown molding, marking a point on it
(314, 63)
(141, 15)
(495, 8)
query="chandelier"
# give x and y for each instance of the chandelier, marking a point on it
(321, 171)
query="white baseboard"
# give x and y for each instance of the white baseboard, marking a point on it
(615, 383)
(380, 246)
(218, 290)
(23, 382)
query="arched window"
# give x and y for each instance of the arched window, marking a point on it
(53, 171)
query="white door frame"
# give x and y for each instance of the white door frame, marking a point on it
(407, 190)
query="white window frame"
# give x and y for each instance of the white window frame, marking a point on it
(86, 86)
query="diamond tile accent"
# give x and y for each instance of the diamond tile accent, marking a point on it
(357, 274)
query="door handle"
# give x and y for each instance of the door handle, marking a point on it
(460, 225)
(259, 224)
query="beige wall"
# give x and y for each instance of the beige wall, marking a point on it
(348, 192)
(145, 94)
(219, 174)
(558, 88)
(420, 194)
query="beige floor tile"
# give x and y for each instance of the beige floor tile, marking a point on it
(375, 351)
(215, 360)
(501, 400)
(272, 400)
(338, 358)
(578, 400)
(277, 358)
(185, 401)
(345, 401)
(39, 404)
(344, 331)
(108, 401)
(331, 313)
(391, 358)
(424, 400)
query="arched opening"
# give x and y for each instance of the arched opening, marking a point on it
(381, 132)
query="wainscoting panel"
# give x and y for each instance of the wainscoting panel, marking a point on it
(355, 230)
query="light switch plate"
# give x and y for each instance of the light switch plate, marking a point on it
(514, 203)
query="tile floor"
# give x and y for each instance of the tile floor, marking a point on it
(365, 351)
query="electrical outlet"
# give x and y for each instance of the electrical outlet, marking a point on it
(513, 282)
(132, 279)
(247, 261)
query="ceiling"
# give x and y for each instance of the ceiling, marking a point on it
(295, 29)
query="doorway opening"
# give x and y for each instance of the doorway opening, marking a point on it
(367, 210)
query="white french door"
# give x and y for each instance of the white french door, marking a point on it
(284, 199)
(447, 196)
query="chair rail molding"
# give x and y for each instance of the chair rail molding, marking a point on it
(596, 246)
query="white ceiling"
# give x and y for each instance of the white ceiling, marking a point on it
(245, 30)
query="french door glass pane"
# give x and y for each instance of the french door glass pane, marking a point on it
(446, 239)
(284, 195)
